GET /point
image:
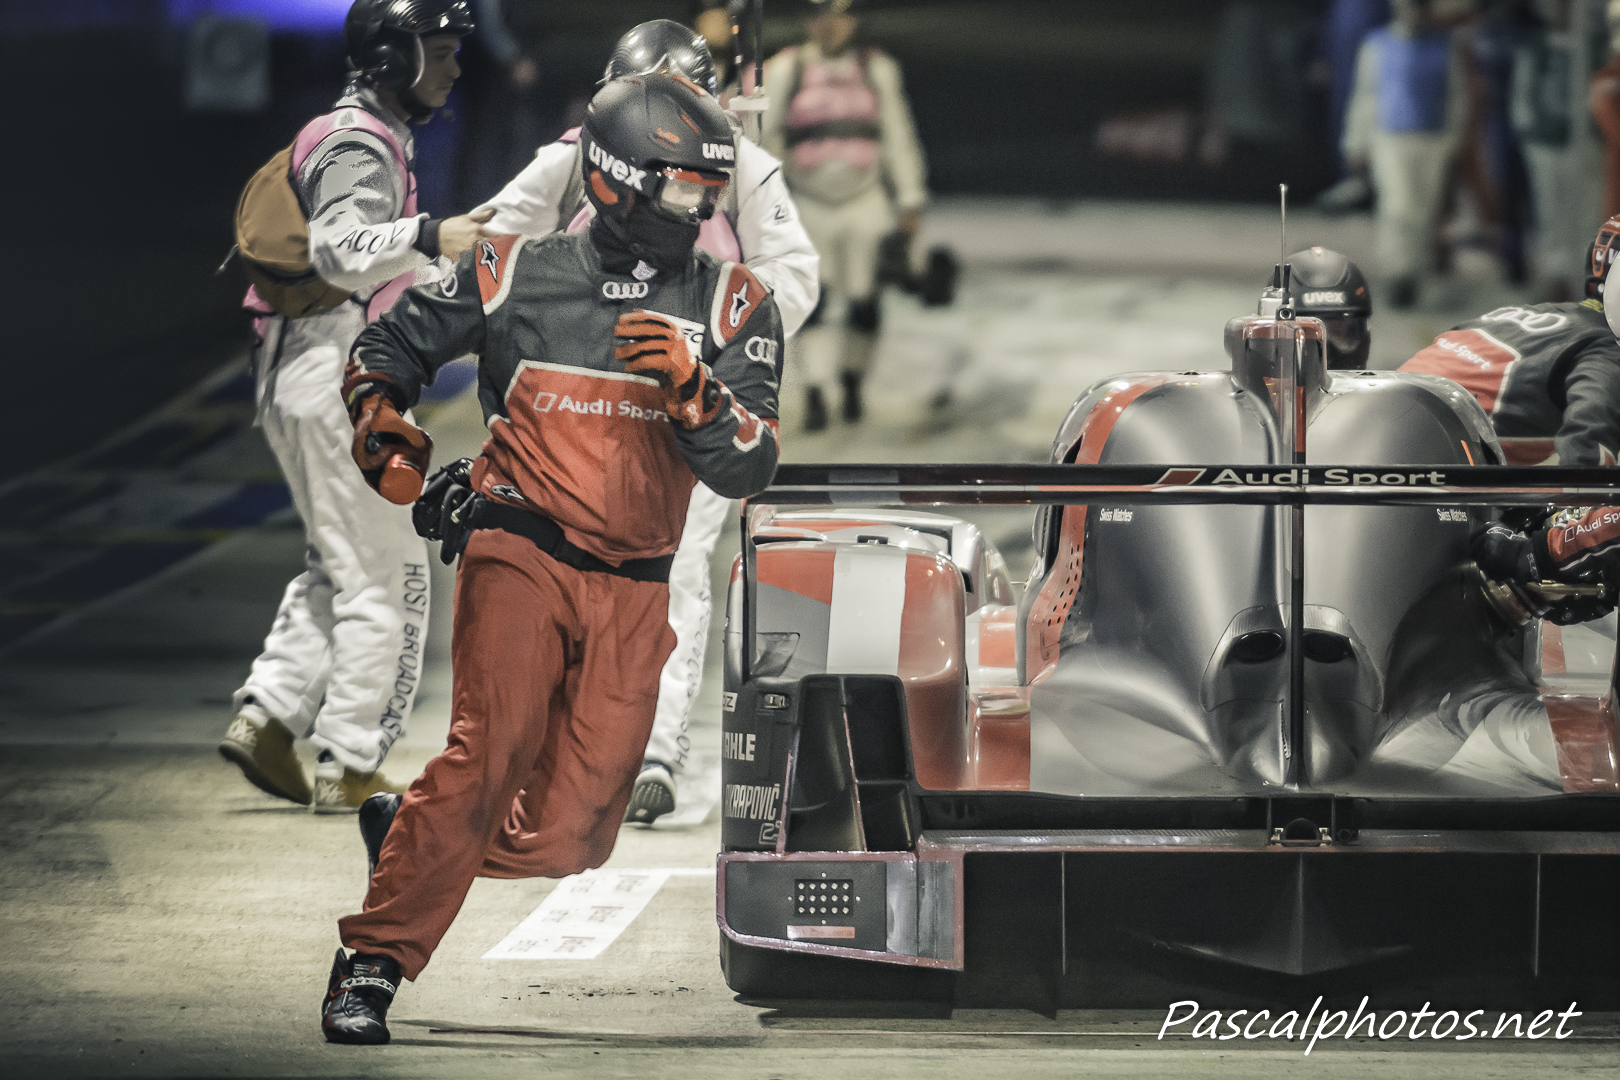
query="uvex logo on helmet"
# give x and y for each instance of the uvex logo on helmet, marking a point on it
(1323, 296)
(719, 152)
(624, 173)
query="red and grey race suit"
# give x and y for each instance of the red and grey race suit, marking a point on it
(758, 226)
(843, 130)
(556, 668)
(1577, 543)
(343, 657)
(1548, 374)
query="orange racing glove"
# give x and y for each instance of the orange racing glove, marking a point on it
(393, 453)
(651, 345)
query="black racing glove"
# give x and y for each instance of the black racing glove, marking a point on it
(444, 512)
(1580, 609)
(1504, 554)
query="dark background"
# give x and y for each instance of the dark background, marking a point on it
(119, 199)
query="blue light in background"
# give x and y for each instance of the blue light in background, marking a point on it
(317, 15)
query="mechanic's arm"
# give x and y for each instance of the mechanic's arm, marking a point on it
(774, 244)
(1589, 433)
(530, 202)
(902, 155)
(1572, 551)
(356, 237)
(427, 328)
(1569, 552)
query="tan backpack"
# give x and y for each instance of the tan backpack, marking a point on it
(272, 240)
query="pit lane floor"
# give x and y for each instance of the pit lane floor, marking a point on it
(160, 917)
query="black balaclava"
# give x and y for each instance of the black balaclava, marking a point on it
(641, 236)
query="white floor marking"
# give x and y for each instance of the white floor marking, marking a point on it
(585, 913)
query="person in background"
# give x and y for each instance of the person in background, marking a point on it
(712, 21)
(839, 120)
(1490, 162)
(1603, 98)
(1565, 162)
(501, 79)
(1408, 114)
(343, 658)
(1344, 28)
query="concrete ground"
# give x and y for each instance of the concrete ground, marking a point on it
(160, 917)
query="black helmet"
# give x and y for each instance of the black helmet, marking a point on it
(1330, 287)
(667, 46)
(1600, 255)
(384, 38)
(657, 153)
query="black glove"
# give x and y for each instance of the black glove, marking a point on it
(444, 512)
(1579, 609)
(1504, 554)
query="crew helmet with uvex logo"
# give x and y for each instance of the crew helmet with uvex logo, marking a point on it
(656, 143)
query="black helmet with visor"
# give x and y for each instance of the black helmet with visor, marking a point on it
(657, 153)
(1328, 286)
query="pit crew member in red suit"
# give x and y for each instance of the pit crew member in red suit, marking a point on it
(617, 368)
(755, 224)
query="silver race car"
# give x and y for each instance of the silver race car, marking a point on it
(1254, 721)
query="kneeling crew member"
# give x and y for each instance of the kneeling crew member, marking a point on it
(617, 368)
(1548, 374)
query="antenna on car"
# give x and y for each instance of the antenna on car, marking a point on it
(1274, 299)
(1281, 278)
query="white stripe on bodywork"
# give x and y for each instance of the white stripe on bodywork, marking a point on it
(868, 599)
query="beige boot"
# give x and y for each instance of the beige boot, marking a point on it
(263, 749)
(341, 790)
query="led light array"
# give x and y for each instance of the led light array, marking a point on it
(824, 897)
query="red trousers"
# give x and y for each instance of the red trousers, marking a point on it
(555, 685)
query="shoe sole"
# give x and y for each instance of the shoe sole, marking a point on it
(242, 758)
(649, 802)
(347, 1038)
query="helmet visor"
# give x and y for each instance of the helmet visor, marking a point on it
(688, 193)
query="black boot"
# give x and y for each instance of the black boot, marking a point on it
(852, 397)
(376, 818)
(815, 411)
(357, 998)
